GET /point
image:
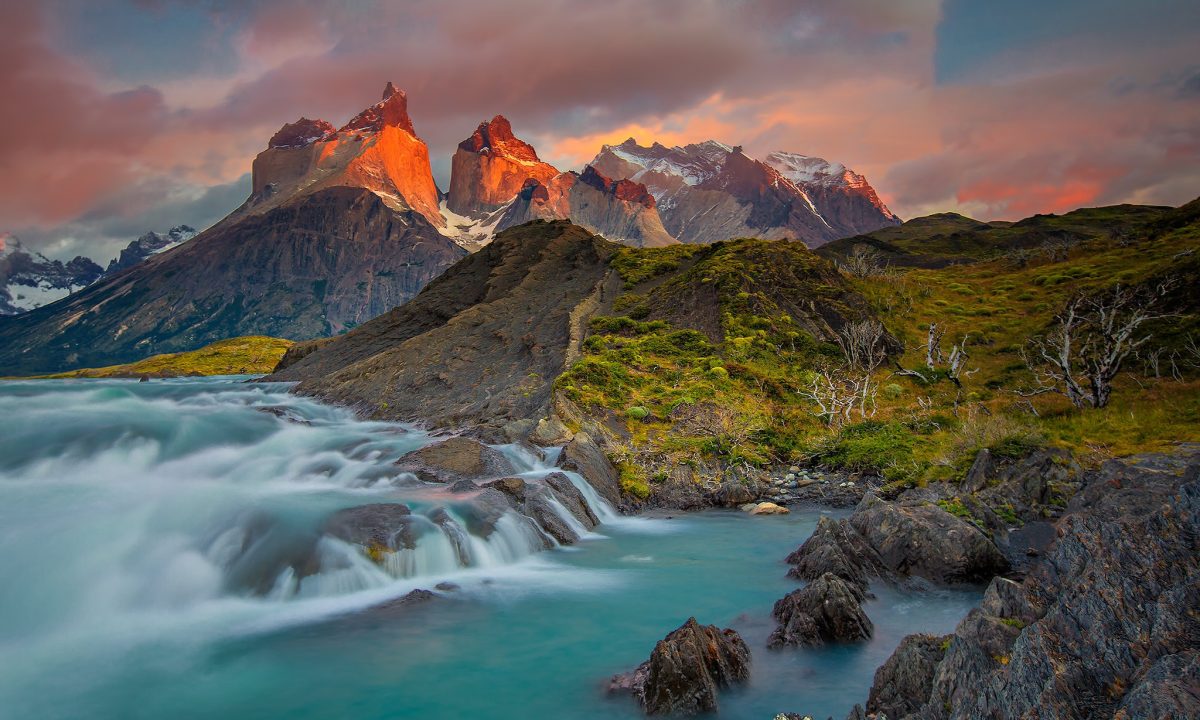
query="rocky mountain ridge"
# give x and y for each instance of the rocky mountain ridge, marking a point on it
(30, 280)
(710, 191)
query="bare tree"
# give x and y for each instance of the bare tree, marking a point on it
(864, 345)
(863, 261)
(1090, 342)
(834, 394)
(938, 363)
(1057, 250)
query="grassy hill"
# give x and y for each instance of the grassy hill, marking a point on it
(705, 362)
(250, 355)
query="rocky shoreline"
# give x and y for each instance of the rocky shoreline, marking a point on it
(1091, 613)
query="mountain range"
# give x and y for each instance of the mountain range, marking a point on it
(345, 223)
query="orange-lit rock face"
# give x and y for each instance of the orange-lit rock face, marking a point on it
(377, 150)
(490, 168)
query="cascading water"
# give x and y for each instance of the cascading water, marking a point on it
(169, 549)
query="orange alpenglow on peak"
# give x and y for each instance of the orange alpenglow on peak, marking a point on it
(490, 168)
(377, 150)
(391, 111)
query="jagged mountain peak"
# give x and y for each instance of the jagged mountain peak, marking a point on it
(300, 133)
(490, 167)
(391, 111)
(496, 136)
(626, 190)
(814, 174)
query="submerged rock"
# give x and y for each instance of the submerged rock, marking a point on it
(455, 459)
(379, 528)
(686, 670)
(826, 610)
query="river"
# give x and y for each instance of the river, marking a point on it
(123, 504)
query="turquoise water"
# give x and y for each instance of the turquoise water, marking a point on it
(116, 604)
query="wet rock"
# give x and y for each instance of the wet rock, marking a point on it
(538, 502)
(732, 494)
(835, 547)
(416, 597)
(454, 532)
(926, 541)
(826, 610)
(687, 669)
(769, 508)
(379, 528)
(455, 459)
(903, 683)
(584, 456)
(572, 499)
(446, 586)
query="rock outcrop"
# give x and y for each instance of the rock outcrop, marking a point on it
(1103, 625)
(906, 675)
(896, 540)
(687, 670)
(828, 609)
(455, 459)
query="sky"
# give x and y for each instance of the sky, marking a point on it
(123, 116)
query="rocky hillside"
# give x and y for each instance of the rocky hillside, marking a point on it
(305, 269)
(542, 307)
(709, 191)
(151, 243)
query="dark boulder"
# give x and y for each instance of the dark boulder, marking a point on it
(903, 683)
(926, 541)
(733, 494)
(835, 547)
(455, 459)
(826, 610)
(687, 669)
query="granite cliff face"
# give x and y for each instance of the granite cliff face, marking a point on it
(490, 168)
(378, 150)
(709, 191)
(620, 210)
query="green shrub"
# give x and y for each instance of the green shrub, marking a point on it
(638, 412)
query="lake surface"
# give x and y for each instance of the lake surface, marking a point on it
(121, 598)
